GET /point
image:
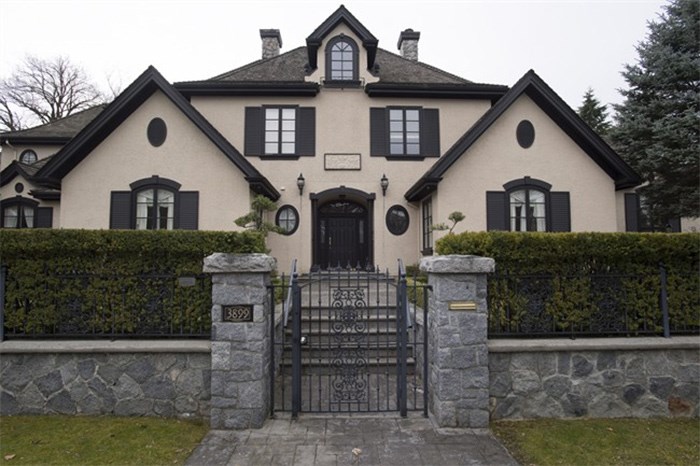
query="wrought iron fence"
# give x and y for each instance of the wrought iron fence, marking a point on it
(83, 305)
(529, 306)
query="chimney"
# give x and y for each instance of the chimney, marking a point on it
(271, 42)
(408, 44)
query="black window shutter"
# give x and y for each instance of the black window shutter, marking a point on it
(430, 133)
(306, 131)
(631, 212)
(378, 132)
(120, 210)
(674, 225)
(44, 217)
(560, 211)
(496, 211)
(188, 210)
(254, 130)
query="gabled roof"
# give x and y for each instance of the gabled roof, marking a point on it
(56, 132)
(123, 106)
(341, 15)
(534, 87)
(25, 170)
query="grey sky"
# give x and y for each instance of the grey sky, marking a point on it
(571, 44)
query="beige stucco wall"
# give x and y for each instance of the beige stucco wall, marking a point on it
(497, 158)
(343, 127)
(187, 157)
(690, 224)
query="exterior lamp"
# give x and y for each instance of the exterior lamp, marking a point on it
(301, 182)
(384, 183)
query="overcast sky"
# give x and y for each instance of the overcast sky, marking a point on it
(571, 44)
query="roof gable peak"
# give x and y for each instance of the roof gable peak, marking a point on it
(341, 15)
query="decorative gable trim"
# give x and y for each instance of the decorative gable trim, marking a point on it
(11, 171)
(258, 89)
(123, 106)
(491, 92)
(534, 87)
(341, 15)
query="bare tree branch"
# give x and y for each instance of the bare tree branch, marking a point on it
(41, 91)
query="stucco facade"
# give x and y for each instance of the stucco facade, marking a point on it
(373, 134)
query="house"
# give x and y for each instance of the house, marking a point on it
(364, 150)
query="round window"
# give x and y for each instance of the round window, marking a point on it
(19, 188)
(28, 157)
(525, 134)
(397, 220)
(287, 219)
(157, 131)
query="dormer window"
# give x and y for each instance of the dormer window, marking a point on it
(341, 60)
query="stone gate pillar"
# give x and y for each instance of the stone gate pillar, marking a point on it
(458, 366)
(240, 342)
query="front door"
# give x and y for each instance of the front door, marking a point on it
(343, 235)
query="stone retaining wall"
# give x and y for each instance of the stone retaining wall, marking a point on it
(581, 382)
(167, 384)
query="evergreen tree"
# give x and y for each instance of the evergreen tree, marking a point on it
(594, 113)
(658, 124)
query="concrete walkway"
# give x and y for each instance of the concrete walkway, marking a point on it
(356, 440)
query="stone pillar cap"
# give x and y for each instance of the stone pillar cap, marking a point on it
(455, 263)
(220, 262)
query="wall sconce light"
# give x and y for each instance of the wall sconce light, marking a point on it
(301, 182)
(384, 183)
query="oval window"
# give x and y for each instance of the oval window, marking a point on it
(157, 131)
(525, 133)
(28, 157)
(19, 188)
(397, 220)
(287, 219)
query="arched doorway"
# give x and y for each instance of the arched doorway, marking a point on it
(343, 230)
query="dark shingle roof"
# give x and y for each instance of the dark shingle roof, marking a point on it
(291, 67)
(65, 128)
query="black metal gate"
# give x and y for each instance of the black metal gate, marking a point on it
(351, 341)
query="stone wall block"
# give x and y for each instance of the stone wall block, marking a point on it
(525, 382)
(50, 384)
(581, 366)
(229, 331)
(61, 403)
(126, 387)
(475, 377)
(221, 355)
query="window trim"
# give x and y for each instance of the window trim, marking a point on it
(426, 225)
(528, 184)
(296, 215)
(26, 152)
(408, 219)
(355, 81)
(404, 132)
(279, 154)
(155, 183)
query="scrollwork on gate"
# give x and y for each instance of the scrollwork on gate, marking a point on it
(349, 330)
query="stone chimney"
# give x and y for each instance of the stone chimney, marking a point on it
(408, 44)
(271, 42)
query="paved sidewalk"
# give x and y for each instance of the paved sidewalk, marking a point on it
(356, 440)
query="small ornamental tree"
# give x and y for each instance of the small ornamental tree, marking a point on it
(454, 217)
(255, 219)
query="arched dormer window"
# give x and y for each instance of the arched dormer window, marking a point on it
(342, 60)
(528, 204)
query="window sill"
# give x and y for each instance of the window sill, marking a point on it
(342, 83)
(280, 157)
(427, 252)
(403, 158)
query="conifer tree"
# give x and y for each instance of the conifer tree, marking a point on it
(658, 124)
(594, 113)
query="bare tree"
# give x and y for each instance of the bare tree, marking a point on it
(41, 91)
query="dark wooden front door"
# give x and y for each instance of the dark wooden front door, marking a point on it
(342, 235)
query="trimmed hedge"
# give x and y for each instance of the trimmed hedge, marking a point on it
(586, 283)
(111, 282)
(575, 253)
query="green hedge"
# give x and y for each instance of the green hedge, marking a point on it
(586, 283)
(75, 282)
(574, 253)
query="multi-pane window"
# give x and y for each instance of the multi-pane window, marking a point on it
(528, 210)
(280, 131)
(428, 225)
(28, 157)
(287, 219)
(18, 216)
(342, 61)
(404, 132)
(155, 209)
